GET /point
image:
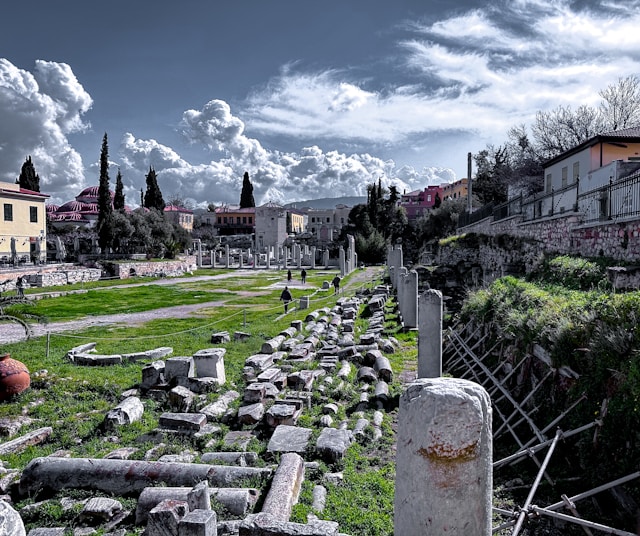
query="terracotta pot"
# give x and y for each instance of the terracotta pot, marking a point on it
(14, 377)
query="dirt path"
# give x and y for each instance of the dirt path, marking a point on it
(14, 333)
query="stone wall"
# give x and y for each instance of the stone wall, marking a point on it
(124, 270)
(563, 234)
(44, 276)
(66, 277)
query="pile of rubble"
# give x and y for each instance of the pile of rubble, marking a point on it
(216, 484)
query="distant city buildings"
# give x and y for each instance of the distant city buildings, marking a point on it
(83, 211)
(419, 202)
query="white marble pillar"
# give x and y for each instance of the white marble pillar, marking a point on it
(430, 334)
(444, 459)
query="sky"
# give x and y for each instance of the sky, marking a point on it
(312, 99)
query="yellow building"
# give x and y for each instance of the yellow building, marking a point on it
(180, 215)
(455, 190)
(297, 220)
(23, 225)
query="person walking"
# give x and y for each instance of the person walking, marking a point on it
(336, 284)
(286, 297)
(20, 287)
(289, 276)
(303, 276)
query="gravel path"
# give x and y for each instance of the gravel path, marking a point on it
(14, 333)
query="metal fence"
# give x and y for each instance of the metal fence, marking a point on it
(619, 199)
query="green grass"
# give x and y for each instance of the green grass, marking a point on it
(73, 400)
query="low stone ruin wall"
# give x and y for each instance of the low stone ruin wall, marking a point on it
(178, 267)
(66, 277)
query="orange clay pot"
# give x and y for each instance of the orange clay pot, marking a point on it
(14, 377)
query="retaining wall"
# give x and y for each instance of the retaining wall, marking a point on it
(564, 234)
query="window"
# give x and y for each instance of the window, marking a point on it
(565, 172)
(224, 220)
(576, 171)
(328, 220)
(244, 219)
(250, 220)
(33, 214)
(238, 220)
(547, 185)
(8, 212)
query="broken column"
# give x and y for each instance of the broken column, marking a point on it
(430, 334)
(285, 487)
(126, 477)
(444, 459)
(395, 261)
(410, 300)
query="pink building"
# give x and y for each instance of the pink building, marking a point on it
(418, 202)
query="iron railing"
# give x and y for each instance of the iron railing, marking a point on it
(617, 200)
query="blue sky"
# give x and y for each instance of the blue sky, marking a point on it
(313, 99)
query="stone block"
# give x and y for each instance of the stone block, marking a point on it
(178, 366)
(192, 422)
(199, 523)
(287, 438)
(181, 399)
(152, 375)
(332, 444)
(209, 363)
(251, 414)
(164, 518)
(220, 337)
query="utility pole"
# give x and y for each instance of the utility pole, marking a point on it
(469, 188)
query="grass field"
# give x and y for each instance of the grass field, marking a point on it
(73, 400)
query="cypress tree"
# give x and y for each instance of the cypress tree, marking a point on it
(118, 198)
(153, 195)
(105, 208)
(28, 178)
(246, 196)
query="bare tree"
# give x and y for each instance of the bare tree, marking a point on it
(561, 129)
(620, 106)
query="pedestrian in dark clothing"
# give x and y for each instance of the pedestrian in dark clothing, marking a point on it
(289, 276)
(336, 284)
(286, 297)
(303, 276)
(20, 287)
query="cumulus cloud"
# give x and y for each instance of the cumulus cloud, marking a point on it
(197, 184)
(452, 85)
(39, 110)
(277, 176)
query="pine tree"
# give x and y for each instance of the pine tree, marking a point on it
(153, 195)
(29, 179)
(105, 208)
(437, 201)
(246, 196)
(118, 198)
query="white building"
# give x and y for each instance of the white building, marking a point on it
(271, 225)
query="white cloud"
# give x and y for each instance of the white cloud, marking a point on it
(454, 85)
(348, 97)
(276, 176)
(37, 112)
